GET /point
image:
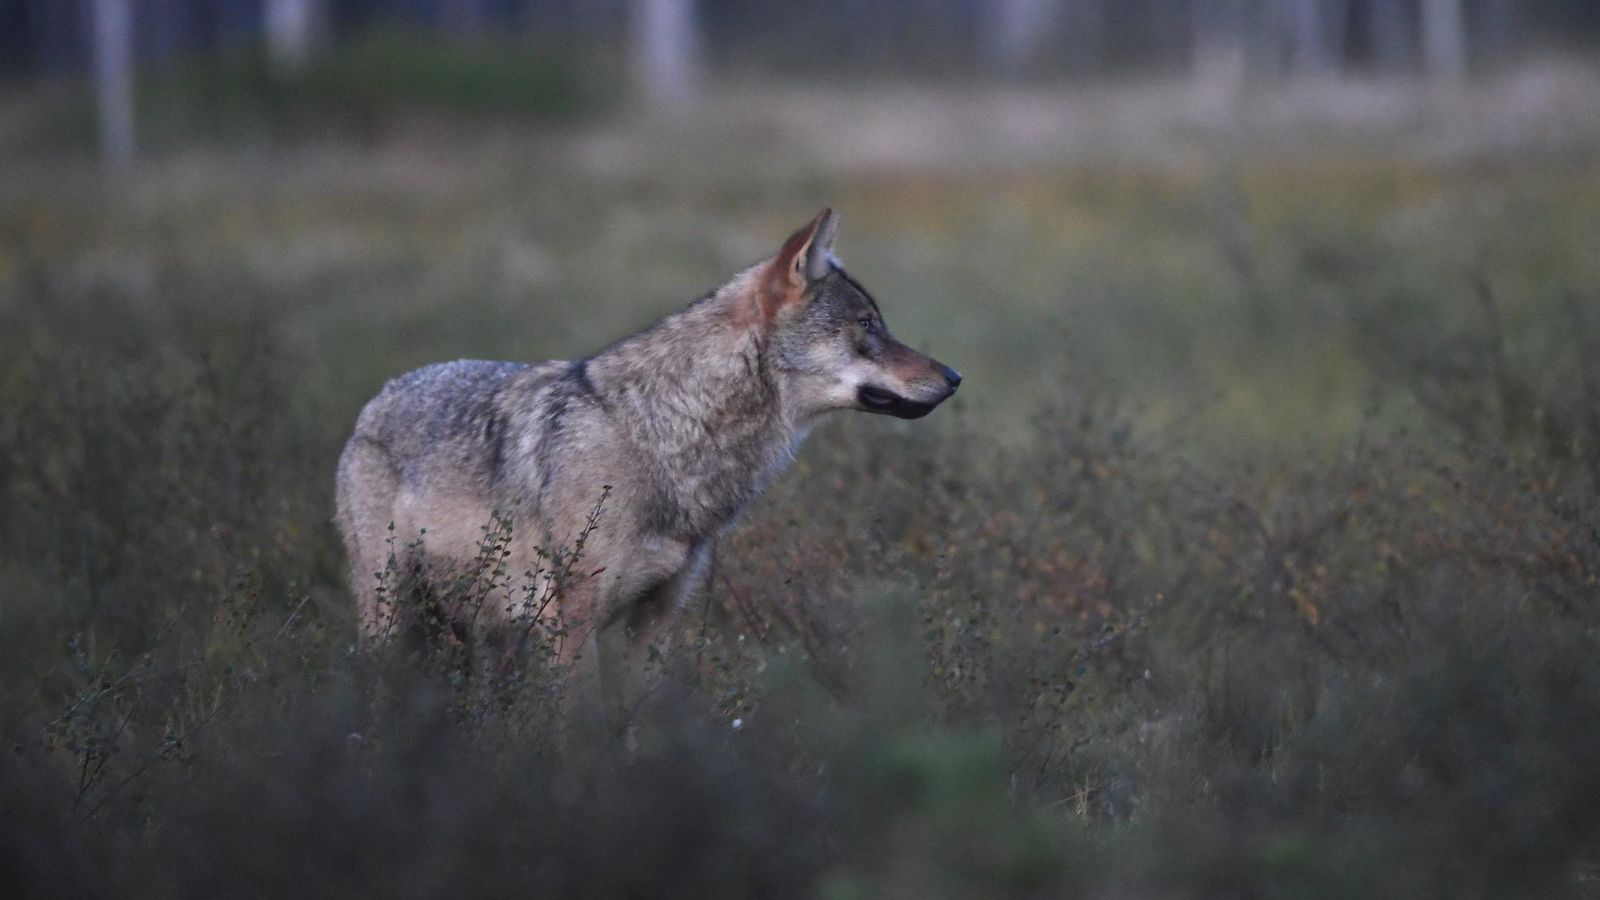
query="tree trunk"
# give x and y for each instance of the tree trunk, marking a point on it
(1336, 20)
(1084, 24)
(1263, 34)
(1016, 29)
(165, 29)
(1389, 27)
(1217, 42)
(293, 28)
(666, 51)
(1444, 39)
(113, 79)
(1314, 36)
(1498, 30)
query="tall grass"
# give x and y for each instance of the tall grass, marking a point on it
(1142, 623)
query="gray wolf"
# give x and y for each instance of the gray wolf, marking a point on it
(679, 427)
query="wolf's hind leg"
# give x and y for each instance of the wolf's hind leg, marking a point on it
(578, 659)
(367, 486)
(591, 699)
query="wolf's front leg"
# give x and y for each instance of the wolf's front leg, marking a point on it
(612, 622)
(654, 619)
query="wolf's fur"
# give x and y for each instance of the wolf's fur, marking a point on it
(684, 424)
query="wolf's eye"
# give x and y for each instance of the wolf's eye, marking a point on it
(866, 337)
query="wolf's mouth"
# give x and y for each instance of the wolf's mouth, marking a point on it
(878, 400)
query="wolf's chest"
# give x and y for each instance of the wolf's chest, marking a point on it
(705, 490)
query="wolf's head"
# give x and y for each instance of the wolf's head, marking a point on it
(827, 339)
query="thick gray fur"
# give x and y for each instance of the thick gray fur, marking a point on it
(683, 424)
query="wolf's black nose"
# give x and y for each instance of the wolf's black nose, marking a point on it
(952, 376)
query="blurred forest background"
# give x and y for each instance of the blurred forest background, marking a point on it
(674, 42)
(1259, 555)
(1080, 36)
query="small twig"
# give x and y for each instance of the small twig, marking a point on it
(829, 682)
(746, 611)
(86, 784)
(283, 629)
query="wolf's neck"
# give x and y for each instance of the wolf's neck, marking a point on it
(696, 396)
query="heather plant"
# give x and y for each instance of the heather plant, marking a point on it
(1336, 676)
(1113, 629)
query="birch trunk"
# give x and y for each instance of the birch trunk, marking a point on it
(293, 28)
(1217, 48)
(1392, 43)
(113, 79)
(666, 51)
(1444, 39)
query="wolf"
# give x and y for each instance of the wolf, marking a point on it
(665, 436)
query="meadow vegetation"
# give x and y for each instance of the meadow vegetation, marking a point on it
(1258, 557)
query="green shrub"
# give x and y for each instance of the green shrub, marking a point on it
(1092, 656)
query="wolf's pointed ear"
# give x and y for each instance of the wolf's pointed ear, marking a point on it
(802, 260)
(804, 257)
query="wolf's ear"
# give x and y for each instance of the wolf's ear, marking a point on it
(804, 257)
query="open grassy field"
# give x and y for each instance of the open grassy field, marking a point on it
(1259, 555)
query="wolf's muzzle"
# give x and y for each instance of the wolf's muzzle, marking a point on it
(886, 402)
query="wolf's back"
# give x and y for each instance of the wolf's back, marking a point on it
(452, 406)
